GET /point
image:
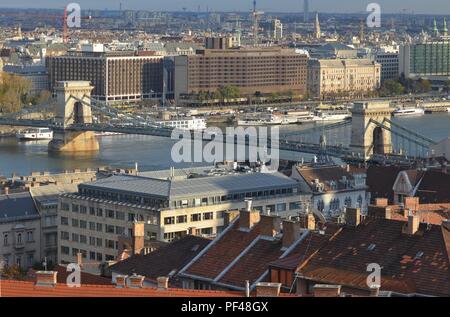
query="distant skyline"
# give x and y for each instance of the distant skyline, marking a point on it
(344, 6)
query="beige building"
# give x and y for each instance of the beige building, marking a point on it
(20, 230)
(252, 70)
(92, 220)
(335, 77)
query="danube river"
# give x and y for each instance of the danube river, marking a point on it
(152, 153)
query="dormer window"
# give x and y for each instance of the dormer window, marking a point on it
(19, 238)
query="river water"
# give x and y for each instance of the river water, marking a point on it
(152, 153)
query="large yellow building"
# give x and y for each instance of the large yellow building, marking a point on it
(342, 77)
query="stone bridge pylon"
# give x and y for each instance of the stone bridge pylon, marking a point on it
(73, 107)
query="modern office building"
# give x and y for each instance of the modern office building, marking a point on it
(92, 220)
(427, 60)
(389, 65)
(252, 70)
(328, 77)
(117, 76)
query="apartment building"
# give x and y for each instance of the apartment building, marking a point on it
(328, 77)
(93, 219)
(20, 230)
(117, 76)
(252, 70)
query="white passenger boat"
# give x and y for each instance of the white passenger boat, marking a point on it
(408, 112)
(333, 116)
(189, 123)
(35, 134)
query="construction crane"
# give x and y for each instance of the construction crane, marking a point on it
(256, 15)
(49, 17)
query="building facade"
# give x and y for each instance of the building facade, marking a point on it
(116, 76)
(92, 220)
(389, 65)
(37, 75)
(327, 77)
(252, 70)
(20, 230)
(427, 60)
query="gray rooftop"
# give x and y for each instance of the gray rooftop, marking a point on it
(17, 206)
(193, 187)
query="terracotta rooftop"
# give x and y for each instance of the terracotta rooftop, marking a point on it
(416, 263)
(324, 174)
(162, 262)
(11, 288)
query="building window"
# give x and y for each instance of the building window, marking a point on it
(99, 212)
(120, 215)
(220, 214)
(295, 205)
(281, 207)
(109, 229)
(75, 223)
(5, 239)
(92, 241)
(83, 210)
(92, 211)
(75, 208)
(196, 217)
(99, 257)
(83, 224)
(169, 220)
(19, 239)
(109, 244)
(182, 219)
(206, 231)
(109, 213)
(99, 242)
(83, 239)
(65, 207)
(30, 237)
(19, 260)
(92, 226)
(30, 259)
(64, 221)
(99, 227)
(208, 216)
(75, 237)
(64, 235)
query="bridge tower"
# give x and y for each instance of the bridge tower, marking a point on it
(73, 107)
(367, 137)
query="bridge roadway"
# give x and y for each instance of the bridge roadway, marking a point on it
(286, 145)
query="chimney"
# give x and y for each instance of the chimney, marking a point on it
(352, 216)
(269, 225)
(46, 278)
(247, 217)
(411, 203)
(247, 288)
(326, 290)
(291, 232)
(6, 190)
(264, 289)
(307, 221)
(381, 202)
(138, 237)
(413, 224)
(163, 283)
(136, 281)
(80, 259)
(121, 281)
(229, 216)
(379, 212)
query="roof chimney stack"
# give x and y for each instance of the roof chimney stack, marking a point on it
(247, 217)
(46, 278)
(291, 232)
(413, 224)
(326, 290)
(352, 216)
(138, 237)
(163, 283)
(264, 289)
(269, 225)
(307, 221)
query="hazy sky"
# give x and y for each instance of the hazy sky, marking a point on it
(389, 6)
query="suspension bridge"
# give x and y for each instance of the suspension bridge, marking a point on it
(369, 135)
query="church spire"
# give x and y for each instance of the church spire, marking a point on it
(435, 28)
(318, 33)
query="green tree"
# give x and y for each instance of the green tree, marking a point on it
(13, 92)
(13, 272)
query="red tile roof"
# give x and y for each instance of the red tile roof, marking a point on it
(163, 261)
(222, 252)
(410, 264)
(9, 288)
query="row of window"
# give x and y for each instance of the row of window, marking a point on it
(93, 241)
(95, 256)
(19, 238)
(194, 218)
